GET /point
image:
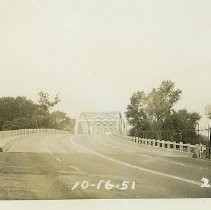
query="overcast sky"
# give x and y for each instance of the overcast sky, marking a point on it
(96, 53)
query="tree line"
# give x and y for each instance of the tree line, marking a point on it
(153, 115)
(22, 113)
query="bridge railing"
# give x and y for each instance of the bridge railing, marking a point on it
(197, 149)
(30, 132)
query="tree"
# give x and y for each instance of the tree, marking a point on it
(13, 108)
(153, 115)
(59, 120)
(20, 113)
(45, 101)
(208, 114)
(182, 126)
(160, 101)
(208, 111)
(135, 113)
(19, 123)
(42, 117)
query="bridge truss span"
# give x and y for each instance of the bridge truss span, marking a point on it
(101, 123)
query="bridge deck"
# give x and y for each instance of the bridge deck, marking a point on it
(48, 167)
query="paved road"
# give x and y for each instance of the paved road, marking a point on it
(65, 167)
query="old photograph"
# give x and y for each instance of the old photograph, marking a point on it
(105, 99)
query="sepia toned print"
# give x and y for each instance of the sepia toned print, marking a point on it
(105, 99)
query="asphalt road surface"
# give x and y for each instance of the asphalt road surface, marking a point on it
(73, 167)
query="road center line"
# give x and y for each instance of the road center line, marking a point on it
(181, 164)
(75, 168)
(146, 156)
(57, 159)
(138, 167)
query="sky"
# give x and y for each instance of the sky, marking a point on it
(96, 53)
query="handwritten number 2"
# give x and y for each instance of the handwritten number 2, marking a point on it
(206, 182)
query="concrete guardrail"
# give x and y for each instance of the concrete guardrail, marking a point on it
(195, 150)
(4, 142)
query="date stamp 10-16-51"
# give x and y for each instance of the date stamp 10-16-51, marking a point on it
(104, 184)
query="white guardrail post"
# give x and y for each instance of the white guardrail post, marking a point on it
(174, 145)
(188, 147)
(181, 147)
(163, 144)
(153, 142)
(168, 145)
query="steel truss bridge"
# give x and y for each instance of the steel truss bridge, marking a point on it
(101, 123)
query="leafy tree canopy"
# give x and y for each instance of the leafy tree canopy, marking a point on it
(44, 100)
(152, 115)
(22, 113)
